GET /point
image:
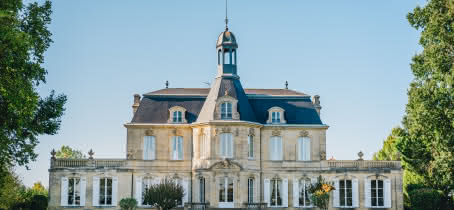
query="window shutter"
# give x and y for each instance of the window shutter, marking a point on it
(83, 189)
(186, 191)
(138, 194)
(95, 191)
(174, 148)
(285, 192)
(64, 192)
(296, 193)
(145, 148)
(153, 148)
(281, 157)
(367, 195)
(114, 190)
(307, 147)
(355, 193)
(336, 193)
(387, 193)
(180, 148)
(266, 191)
(255, 190)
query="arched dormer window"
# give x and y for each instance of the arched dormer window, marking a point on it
(177, 115)
(226, 111)
(276, 115)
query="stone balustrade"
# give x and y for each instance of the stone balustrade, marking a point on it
(363, 164)
(82, 163)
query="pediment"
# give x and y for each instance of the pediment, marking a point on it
(226, 164)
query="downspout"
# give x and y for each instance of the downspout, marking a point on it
(132, 184)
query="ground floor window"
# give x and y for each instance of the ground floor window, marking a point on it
(376, 192)
(250, 190)
(74, 191)
(304, 196)
(345, 193)
(202, 190)
(147, 182)
(226, 189)
(276, 192)
(105, 191)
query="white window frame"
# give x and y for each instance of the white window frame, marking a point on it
(226, 110)
(304, 149)
(377, 189)
(146, 183)
(275, 148)
(177, 148)
(346, 197)
(304, 193)
(250, 143)
(226, 145)
(105, 191)
(276, 115)
(224, 186)
(250, 189)
(149, 147)
(76, 187)
(278, 194)
(177, 117)
(202, 189)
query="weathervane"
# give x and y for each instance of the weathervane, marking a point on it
(226, 19)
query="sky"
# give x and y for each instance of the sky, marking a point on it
(354, 54)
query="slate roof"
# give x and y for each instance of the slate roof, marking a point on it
(298, 106)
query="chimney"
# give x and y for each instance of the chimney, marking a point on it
(316, 102)
(136, 103)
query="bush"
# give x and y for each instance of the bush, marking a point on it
(165, 195)
(425, 198)
(128, 204)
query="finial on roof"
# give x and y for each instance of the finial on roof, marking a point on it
(286, 84)
(226, 19)
(167, 83)
(226, 92)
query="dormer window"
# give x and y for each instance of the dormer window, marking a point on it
(276, 115)
(226, 111)
(176, 115)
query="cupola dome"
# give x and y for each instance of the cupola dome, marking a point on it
(226, 38)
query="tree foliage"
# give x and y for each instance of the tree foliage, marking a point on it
(67, 152)
(164, 195)
(25, 115)
(389, 150)
(319, 192)
(128, 204)
(427, 142)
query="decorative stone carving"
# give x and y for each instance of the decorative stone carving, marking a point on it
(322, 155)
(226, 130)
(251, 132)
(304, 133)
(149, 132)
(226, 163)
(176, 132)
(360, 155)
(91, 153)
(276, 133)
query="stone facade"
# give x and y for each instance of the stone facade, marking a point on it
(230, 148)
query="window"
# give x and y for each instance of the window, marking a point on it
(180, 182)
(202, 190)
(105, 191)
(275, 117)
(376, 192)
(226, 189)
(276, 192)
(226, 111)
(177, 148)
(275, 148)
(345, 193)
(204, 146)
(146, 184)
(250, 143)
(250, 190)
(226, 145)
(177, 117)
(227, 56)
(74, 191)
(304, 148)
(149, 148)
(304, 196)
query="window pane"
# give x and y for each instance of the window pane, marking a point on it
(230, 190)
(250, 190)
(279, 192)
(102, 191)
(202, 190)
(77, 191)
(222, 190)
(380, 202)
(109, 192)
(251, 146)
(278, 117)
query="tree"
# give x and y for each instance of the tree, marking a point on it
(67, 152)
(427, 142)
(165, 195)
(25, 115)
(10, 188)
(389, 150)
(128, 204)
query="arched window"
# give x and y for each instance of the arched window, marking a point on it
(226, 111)
(177, 117)
(227, 56)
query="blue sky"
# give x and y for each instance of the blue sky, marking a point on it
(354, 54)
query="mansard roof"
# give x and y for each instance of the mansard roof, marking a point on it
(154, 107)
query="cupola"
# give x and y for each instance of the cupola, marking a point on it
(226, 47)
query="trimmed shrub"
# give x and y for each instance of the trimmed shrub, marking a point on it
(128, 204)
(425, 198)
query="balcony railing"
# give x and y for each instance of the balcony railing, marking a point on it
(254, 206)
(363, 164)
(80, 163)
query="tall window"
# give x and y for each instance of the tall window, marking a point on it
(226, 111)
(250, 143)
(105, 191)
(179, 182)
(276, 192)
(177, 148)
(376, 192)
(304, 198)
(275, 148)
(226, 145)
(177, 117)
(275, 117)
(74, 191)
(304, 148)
(204, 146)
(250, 190)
(149, 148)
(202, 190)
(345, 193)
(146, 184)
(226, 189)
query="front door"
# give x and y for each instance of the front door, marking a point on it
(226, 192)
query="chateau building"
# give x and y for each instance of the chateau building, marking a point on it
(229, 147)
